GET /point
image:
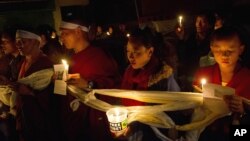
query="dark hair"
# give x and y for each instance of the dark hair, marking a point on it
(152, 39)
(45, 30)
(142, 37)
(9, 32)
(210, 17)
(227, 33)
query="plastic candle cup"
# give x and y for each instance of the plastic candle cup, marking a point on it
(117, 118)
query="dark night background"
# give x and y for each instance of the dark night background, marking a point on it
(116, 11)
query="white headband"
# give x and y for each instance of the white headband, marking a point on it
(27, 34)
(68, 25)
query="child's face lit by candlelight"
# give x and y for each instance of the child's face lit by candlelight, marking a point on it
(227, 51)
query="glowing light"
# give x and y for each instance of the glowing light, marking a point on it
(128, 35)
(107, 33)
(203, 82)
(66, 69)
(180, 21)
(53, 35)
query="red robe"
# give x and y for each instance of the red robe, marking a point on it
(87, 123)
(240, 81)
(219, 130)
(33, 117)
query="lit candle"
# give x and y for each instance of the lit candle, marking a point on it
(117, 118)
(107, 33)
(203, 82)
(66, 69)
(180, 21)
(128, 35)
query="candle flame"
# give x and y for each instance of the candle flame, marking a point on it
(180, 20)
(128, 35)
(203, 81)
(65, 64)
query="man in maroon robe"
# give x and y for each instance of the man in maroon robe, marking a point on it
(34, 122)
(97, 70)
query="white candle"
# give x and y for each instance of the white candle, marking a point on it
(117, 118)
(66, 69)
(203, 82)
(180, 21)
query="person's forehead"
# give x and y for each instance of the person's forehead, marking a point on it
(135, 46)
(231, 43)
(3, 38)
(65, 30)
(24, 39)
(203, 18)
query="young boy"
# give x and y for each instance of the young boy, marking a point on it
(227, 46)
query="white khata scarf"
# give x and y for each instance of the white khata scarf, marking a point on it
(205, 110)
(38, 81)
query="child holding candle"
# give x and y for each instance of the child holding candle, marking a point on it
(228, 46)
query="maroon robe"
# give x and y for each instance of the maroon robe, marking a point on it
(240, 81)
(87, 123)
(33, 112)
(219, 130)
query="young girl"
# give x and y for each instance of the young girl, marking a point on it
(149, 69)
(227, 46)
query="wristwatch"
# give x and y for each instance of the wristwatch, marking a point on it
(91, 84)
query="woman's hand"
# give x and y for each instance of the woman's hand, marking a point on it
(128, 131)
(235, 103)
(123, 135)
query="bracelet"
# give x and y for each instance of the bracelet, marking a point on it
(91, 84)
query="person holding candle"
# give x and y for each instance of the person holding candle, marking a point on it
(192, 47)
(149, 69)
(229, 49)
(95, 69)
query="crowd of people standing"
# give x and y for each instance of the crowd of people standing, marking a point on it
(216, 50)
